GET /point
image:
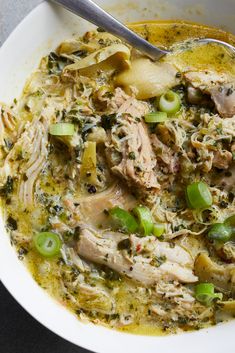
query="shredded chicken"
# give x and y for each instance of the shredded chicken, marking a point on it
(222, 159)
(93, 208)
(137, 163)
(220, 86)
(122, 103)
(77, 157)
(93, 298)
(165, 155)
(103, 249)
(224, 99)
(35, 144)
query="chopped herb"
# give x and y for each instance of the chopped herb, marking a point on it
(56, 63)
(115, 316)
(183, 320)
(230, 196)
(171, 245)
(8, 144)
(91, 189)
(79, 311)
(124, 244)
(24, 177)
(223, 204)
(106, 212)
(76, 234)
(110, 274)
(158, 261)
(7, 188)
(58, 209)
(80, 53)
(100, 29)
(101, 41)
(131, 155)
(11, 223)
(228, 174)
(22, 252)
(229, 91)
(107, 121)
(219, 130)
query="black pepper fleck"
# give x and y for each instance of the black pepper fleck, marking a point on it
(91, 189)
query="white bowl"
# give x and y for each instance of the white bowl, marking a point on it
(42, 30)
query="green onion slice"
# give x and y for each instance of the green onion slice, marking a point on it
(47, 244)
(198, 195)
(124, 219)
(158, 229)
(205, 293)
(230, 222)
(220, 232)
(145, 219)
(170, 102)
(61, 129)
(157, 117)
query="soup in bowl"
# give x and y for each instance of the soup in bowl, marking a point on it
(117, 178)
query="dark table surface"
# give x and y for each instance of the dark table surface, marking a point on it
(19, 332)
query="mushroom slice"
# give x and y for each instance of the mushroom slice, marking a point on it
(120, 51)
(222, 276)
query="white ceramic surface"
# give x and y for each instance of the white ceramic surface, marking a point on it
(39, 33)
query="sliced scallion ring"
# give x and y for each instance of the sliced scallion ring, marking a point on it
(198, 195)
(124, 219)
(47, 244)
(205, 293)
(230, 222)
(158, 229)
(145, 219)
(220, 232)
(61, 129)
(170, 102)
(157, 117)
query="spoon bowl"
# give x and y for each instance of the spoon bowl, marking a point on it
(91, 12)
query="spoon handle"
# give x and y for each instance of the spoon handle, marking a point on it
(91, 12)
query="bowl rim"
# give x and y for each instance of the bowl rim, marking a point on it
(51, 312)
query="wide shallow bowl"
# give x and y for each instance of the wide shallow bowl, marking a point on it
(42, 30)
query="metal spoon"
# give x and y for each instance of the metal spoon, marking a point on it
(91, 12)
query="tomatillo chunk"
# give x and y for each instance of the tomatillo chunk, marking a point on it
(205, 293)
(158, 229)
(48, 244)
(61, 129)
(145, 219)
(124, 219)
(157, 117)
(170, 102)
(198, 195)
(220, 232)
